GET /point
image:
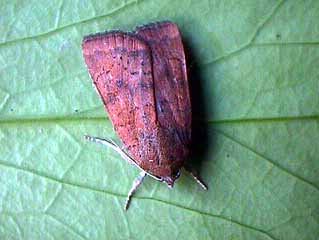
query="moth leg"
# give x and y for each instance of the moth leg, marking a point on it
(111, 144)
(137, 182)
(196, 177)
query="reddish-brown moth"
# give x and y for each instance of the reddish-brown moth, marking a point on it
(142, 79)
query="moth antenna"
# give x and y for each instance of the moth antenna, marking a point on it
(111, 144)
(137, 182)
(119, 150)
(197, 178)
(199, 181)
(105, 142)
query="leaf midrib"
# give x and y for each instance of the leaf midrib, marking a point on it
(74, 118)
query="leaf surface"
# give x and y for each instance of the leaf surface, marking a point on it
(254, 82)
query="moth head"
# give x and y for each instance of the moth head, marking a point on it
(171, 179)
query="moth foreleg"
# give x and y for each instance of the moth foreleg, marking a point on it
(137, 182)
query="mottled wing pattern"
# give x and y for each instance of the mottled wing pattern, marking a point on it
(142, 80)
(121, 68)
(170, 78)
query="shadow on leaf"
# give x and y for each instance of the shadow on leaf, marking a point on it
(201, 136)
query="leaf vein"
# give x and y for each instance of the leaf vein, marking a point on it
(67, 226)
(54, 30)
(268, 160)
(54, 198)
(91, 188)
(252, 39)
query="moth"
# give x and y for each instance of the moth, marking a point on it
(141, 77)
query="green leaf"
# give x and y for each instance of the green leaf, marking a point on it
(255, 86)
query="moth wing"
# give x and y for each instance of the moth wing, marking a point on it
(170, 78)
(121, 69)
